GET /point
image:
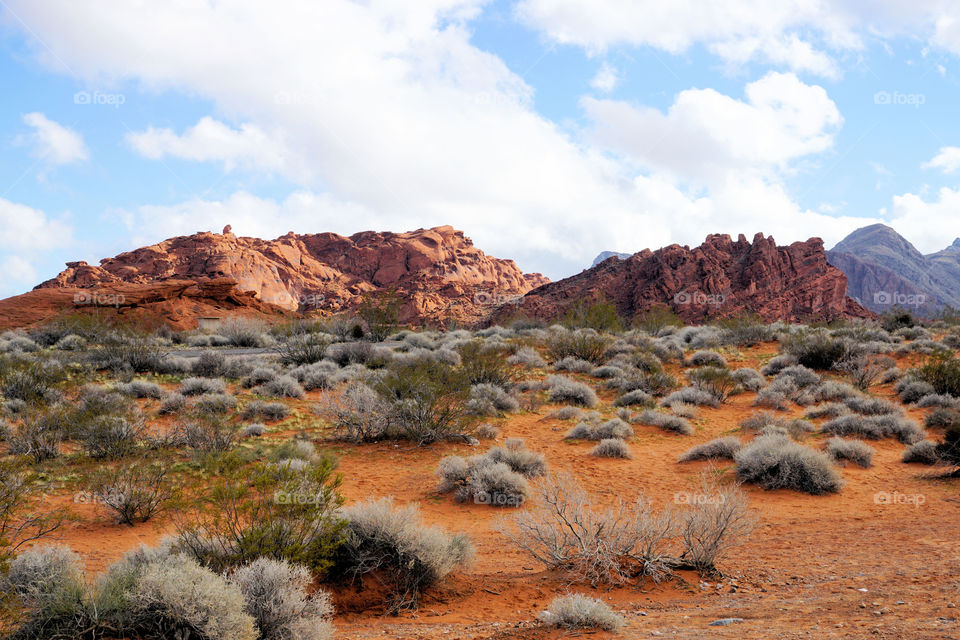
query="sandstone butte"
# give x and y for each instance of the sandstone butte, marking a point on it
(438, 274)
(720, 278)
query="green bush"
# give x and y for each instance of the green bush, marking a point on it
(599, 316)
(941, 371)
(816, 349)
(273, 511)
(584, 344)
(485, 364)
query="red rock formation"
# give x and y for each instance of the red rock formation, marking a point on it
(437, 272)
(719, 278)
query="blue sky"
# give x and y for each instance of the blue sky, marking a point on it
(548, 130)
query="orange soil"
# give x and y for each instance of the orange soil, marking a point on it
(839, 566)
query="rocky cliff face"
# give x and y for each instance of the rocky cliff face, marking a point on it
(883, 269)
(438, 273)
(720, 278)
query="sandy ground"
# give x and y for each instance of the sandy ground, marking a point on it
(840, 566)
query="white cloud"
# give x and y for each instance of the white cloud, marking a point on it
(26, 230)
(802, 35)
(17, 273)
(210, 140)
(929, 224)
(404, 123)
(52, 142)
(947, 160)
(706, 134)
(606, 79)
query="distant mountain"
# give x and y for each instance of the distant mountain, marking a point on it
(883, 270)
(720, 278)
(603, 255)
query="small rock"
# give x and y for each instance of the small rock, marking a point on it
(862, 590)
(722, 622)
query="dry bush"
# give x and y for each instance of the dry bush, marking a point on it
(584, 344)
(637, 397)
(134, 493)
(613, 428)
(776, 462)
(864, 371)
(665, 421)
(611, 448)
(691, 395)
(923, 452)
(565, 530)
(860, 453)
(706, 357)
(718, 449)
(260, 410)
(577, 611)
(718, 382)
(393, 543)
(566, 390)
(876, 427)
(715, 521)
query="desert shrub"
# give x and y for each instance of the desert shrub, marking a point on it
(260, 375)
(684, 410)
(358, 414)
(495, 484)
(110, 436)
(611, 448)
(748, 379)
(943, 417)
(520, 459)
(260, 410)
(276, 596)
(718, 382)
(208, 433)
(37, 437)
(243, 332)
(833, 390)
(284, 386)
(637, 397)
(21, 522)
(573, 365)
(828, 410)
(173, 403)
(487, 431)
(870, 406)
(141, 389)
(134, 352)
(175, 595)
(29, 380)
(938, 400)
(716, 519)
(426, 400)
(296, 449)
(584, 344)
(565, 413)
(489, 399)
(778, 364)
(800, 375)
(577, 611)
(379, 312)
(718, 449)
(347, 353)
(691, 395)
(816, 349)
(614, 428)
(600, 316)
(665, 421)
(856, 451)
(273, 511)
(253, 430)
(875, 427)
(565, 530)
(302, 348)
(606, 372)
(910, 391)
(564, 389)
(745, 331)
(924, 452)
(948, 450)
(393, 542)
(528, 357)
(133, 493)
(864, 371)
(776, 462)
(215, 403)
(942, 372)
(485, 364)
(771, 399)
(49, 582)
(209, 364)
(656, 318)
(706, 357)
(198, 386)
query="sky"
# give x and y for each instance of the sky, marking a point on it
(547, 130)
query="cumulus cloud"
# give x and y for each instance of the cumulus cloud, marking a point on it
(52, 142)
(25, 229)
(606, 79)
(925, 222)
(248, 147)
(947, 160)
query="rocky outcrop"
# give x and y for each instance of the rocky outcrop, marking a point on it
(438, 274)
(883, 270)
(606, 255)
(720, 278)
